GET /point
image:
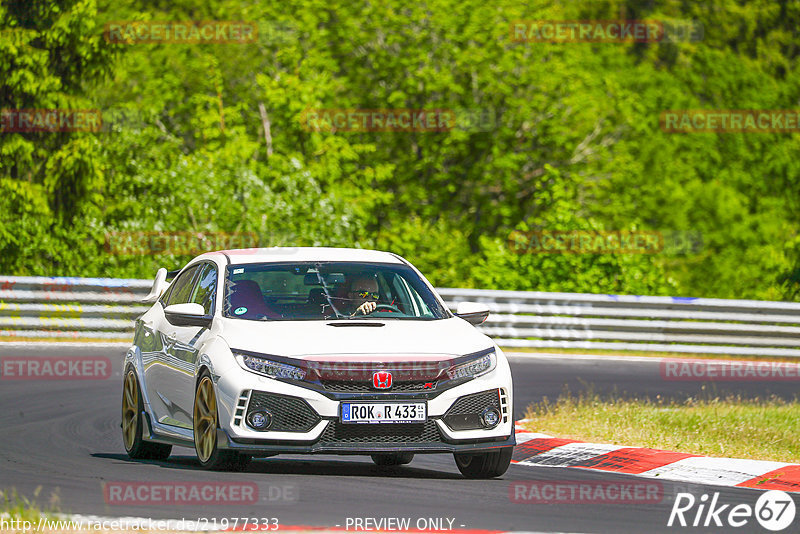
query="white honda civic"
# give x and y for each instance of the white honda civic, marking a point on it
(257, 352)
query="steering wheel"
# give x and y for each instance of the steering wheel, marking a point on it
(387, 307)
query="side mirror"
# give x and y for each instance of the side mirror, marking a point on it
(187, 314)
(159, 286)
(472, 312)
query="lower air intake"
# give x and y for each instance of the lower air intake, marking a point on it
(354, 434)
(465, 413)
(289, 414)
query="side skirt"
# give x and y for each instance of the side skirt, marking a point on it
(158, 433)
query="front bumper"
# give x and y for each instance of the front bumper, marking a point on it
(236, 389)
(267, 447)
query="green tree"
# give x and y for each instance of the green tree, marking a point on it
(51, 183)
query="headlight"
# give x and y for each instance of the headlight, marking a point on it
(478, 366)
(270, 368)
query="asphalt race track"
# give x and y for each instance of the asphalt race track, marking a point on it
(62, 439)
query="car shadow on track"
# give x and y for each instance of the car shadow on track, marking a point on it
(286, 466)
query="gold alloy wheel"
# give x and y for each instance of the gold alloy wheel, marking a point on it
(130, 410)
(205, 419)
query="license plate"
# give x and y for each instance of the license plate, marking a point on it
(383, 412)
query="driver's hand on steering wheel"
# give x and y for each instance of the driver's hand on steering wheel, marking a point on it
(367, 308)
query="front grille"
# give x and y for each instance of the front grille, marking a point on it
(354, 434)
(355, 386)
(289, 414)
(465, 413)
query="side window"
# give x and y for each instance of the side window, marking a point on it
(181, 287)
(206, 288)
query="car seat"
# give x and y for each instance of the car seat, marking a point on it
(247, 302)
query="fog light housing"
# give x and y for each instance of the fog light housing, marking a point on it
(259, 419)
(490, 417)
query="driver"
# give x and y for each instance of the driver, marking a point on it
(362, 294)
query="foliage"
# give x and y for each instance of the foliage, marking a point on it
(550, 136)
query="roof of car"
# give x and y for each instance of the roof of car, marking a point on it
(302, 254)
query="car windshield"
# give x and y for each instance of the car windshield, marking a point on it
(328, 290)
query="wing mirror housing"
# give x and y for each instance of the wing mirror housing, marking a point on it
(472, 312)
(160, 285)
(187, 314)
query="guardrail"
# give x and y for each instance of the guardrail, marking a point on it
(625, 322)
(105, 308)
(70, 308)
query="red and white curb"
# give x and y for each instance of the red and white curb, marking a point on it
(541, 450)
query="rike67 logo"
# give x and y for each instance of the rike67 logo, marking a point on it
(774, 510)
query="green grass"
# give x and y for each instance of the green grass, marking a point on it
(19, 507)
(731, 427)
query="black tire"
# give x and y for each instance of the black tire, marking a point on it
(209, 455)
(135, 446)
(484, 465)
(392, 458)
